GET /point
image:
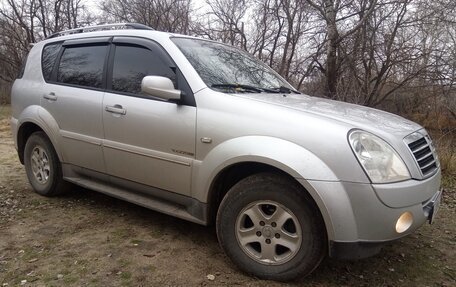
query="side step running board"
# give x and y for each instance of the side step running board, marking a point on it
(138, 198)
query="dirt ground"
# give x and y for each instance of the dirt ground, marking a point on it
(88, 239)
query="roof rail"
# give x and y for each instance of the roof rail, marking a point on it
(115, 26)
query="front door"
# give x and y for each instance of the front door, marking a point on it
(147, 141)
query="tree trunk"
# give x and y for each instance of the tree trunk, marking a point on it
(331, 54)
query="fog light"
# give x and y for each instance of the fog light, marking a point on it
(404, 222)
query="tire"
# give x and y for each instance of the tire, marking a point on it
(42, 166)
(264, 211)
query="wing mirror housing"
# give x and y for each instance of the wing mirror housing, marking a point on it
(160, 87)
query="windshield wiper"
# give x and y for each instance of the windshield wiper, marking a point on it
(283, 89)
(246, 88)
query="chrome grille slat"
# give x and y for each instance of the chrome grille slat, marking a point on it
(426, 160)
(428, 165)
(424, 156)
(423, 152)
(430, 169)
(420, 149)
(418, 143)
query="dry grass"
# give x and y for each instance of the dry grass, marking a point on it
(5, 113)
(440, 120)
(446, 147)
(4, 94)
(442, 127)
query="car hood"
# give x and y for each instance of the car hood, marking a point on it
(358, 116)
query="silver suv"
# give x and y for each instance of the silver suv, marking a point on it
(204, 132)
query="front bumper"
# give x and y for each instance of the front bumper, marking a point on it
(363, 249)
(358, 223)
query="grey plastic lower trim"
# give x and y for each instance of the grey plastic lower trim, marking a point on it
(354, 250)
(163, 201)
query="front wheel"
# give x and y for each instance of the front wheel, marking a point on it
(271, 228)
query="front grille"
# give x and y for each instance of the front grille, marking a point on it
(424, 153)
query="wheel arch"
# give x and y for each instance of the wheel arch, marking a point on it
(234, 173)
(228, 177)
(232, 161)
(34, 119)
(23, 133)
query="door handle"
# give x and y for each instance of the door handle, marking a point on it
(50, 97)
(116, 109)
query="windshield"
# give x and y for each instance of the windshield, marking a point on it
(227, 68)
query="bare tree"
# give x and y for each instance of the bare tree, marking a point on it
(28, 21)
(380, 57)
(337, 13)
(272, 30)
(223, 22)
(394, 54)
(163, 15)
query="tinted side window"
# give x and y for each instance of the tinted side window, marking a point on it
(132, 64)
(82, 66)
(48, 58)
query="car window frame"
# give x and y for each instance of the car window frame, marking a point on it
(187, 96)
(55, 60)
(229, 46)
(110, 73)
(82, 43)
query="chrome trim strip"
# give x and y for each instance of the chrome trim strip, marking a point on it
(130, 149)
(425, 156)
(421, 148)
(79, 137)
(136, 150)
(429, 164)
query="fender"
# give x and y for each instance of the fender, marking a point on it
(289, 157)
(42, 118)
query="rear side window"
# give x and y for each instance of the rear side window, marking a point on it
(132, 64)
(48, 58)
(82, 66)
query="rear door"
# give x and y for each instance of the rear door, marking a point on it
(74, 97)
(147, 140)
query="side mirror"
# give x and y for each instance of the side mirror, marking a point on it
(160, 87)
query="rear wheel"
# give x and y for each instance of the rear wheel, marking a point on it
(42, 166)
(271, 228)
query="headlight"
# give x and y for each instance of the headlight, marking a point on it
(380, 161)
